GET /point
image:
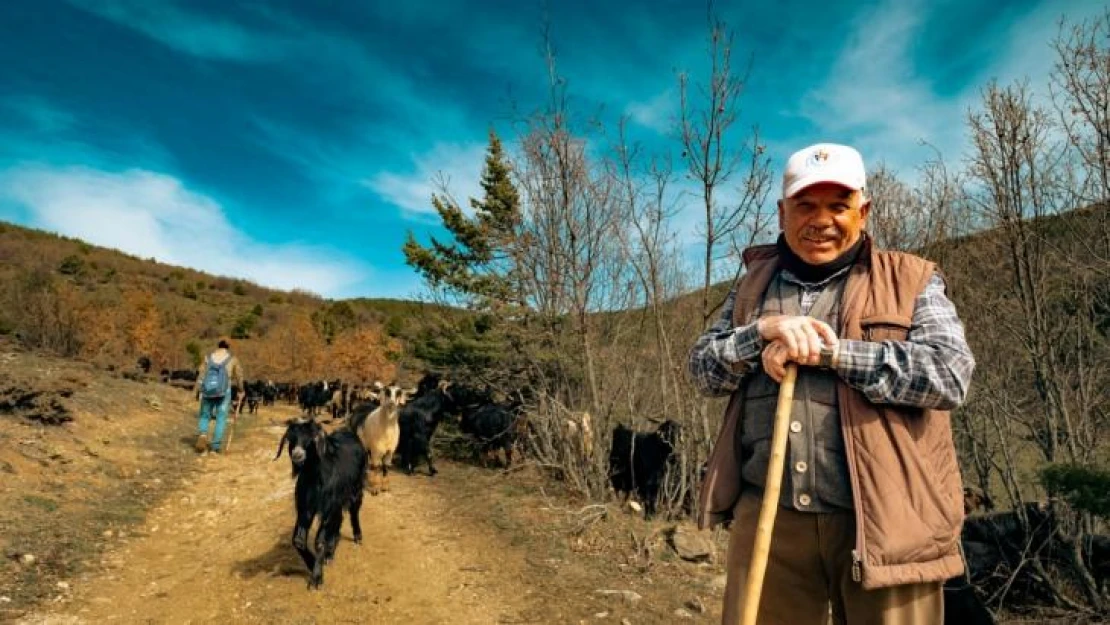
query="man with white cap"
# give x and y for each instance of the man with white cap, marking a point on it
(871, 502)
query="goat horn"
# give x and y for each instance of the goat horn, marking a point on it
(281, 445)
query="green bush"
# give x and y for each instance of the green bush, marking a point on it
(1085, 488)
(71, 265)
(193, 348)
(239, 289)
(243, 327)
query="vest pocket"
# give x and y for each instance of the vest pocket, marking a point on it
(885, 327)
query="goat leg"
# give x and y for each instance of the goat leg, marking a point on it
(386, 459)
(317, 577)
(331, 537)
(375, 481)
(300, 542)
(356, 527)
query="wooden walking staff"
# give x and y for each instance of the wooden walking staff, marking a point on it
(758, 565)
(234, 420)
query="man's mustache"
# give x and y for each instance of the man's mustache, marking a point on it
(825, 233)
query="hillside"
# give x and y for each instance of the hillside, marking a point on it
(73, 299)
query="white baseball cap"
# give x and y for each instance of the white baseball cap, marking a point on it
(823, 162)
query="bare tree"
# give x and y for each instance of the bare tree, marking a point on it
(895, 219)
(1019, 184)
(1080, 85)
(714, 155)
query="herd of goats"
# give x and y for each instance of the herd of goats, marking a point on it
(383, 425)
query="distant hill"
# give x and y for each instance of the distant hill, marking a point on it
(74, 299)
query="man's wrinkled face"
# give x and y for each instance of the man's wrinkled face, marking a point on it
(822, 221)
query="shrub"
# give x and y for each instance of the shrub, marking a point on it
(71, 265)
(1085, 488)
(242, 328)
(193, 348)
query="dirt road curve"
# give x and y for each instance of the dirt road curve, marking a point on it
(218, 552)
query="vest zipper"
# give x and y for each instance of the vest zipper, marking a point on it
(853, 474)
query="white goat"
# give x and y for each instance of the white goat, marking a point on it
(579, 433)
(380, 433)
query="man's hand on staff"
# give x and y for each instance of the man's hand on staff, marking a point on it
(793, 339)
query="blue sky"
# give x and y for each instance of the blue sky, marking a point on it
(295, 143)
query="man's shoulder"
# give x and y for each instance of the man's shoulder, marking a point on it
(905, 261)
(757, 253)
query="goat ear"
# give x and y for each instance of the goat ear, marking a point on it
(281, 445)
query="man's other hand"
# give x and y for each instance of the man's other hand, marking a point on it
(801, 337)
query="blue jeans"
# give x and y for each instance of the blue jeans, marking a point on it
(220, 406)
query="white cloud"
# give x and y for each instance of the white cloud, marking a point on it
(38, 113)
(657, 113)
(150, 214)
(192, 33)
(875, 98)
(458, 166)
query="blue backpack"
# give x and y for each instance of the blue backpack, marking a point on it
(215, 384)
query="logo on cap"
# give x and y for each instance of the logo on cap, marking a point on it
(819, 158)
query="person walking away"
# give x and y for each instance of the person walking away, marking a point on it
(220, 373)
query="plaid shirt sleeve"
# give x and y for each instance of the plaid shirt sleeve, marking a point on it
(930, 369)
(723, 355)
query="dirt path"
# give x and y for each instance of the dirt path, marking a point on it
(218, 551)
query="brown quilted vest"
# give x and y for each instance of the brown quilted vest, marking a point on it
(906, 485)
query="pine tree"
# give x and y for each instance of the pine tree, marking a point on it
(478, 265)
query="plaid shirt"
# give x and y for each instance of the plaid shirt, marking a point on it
(930, 369)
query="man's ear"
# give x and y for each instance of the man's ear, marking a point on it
(865, 209)
(782, 214)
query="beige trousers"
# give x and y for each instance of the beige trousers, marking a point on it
(809, 575)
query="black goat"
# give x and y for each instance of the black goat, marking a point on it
(638, 461)
(495, 427)
(418, 422)
(331, 473)
(314, 396)
(269, 393)
(962, 606)
(254, 395)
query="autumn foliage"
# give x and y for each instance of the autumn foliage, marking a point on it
(70, 299)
